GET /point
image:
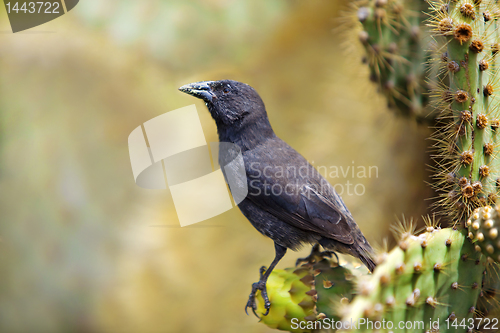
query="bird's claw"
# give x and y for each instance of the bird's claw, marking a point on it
(251, 304)
(261, 285)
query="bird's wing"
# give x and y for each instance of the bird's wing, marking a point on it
(308, 208)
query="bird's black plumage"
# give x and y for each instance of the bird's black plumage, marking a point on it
(288, 200)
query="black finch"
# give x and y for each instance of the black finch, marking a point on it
(306, 208)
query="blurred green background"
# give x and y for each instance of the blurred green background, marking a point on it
(82, 248)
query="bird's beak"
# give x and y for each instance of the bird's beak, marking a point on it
(200, 90)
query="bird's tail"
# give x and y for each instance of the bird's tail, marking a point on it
(361, 249)
(366, 258)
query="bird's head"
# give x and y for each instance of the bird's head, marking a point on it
(231, 103)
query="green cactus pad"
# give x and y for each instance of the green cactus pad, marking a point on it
(467, 167)
(488, 305)
(395, 47)
(335, 285)
(434, 276)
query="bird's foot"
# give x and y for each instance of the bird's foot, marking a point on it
(260, 285)
(316, 255)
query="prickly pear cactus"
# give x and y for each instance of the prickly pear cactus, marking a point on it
(432, 278)
(395, 47)
(438, 280)
(444, 279)
(467, 139)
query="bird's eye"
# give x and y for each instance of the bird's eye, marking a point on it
(225, 90)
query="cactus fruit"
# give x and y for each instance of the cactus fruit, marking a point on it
(484, 228)
(467, 138)
(431, 277)
(292, 296)
(395, 52)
